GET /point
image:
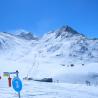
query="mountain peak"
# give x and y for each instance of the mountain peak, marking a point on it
(66, 31)
(26, 35)
(67, 28)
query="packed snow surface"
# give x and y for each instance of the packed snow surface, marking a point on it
(32, 89)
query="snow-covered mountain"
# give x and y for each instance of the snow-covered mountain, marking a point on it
(27, 36)
(66, 42)
(59, 54)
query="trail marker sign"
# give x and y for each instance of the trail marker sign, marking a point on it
(17, 84)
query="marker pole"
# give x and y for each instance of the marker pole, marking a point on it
(19, 94)
(17, 73)
(9, 81)
(17, 77)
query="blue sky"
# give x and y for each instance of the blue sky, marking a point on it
(41, 16)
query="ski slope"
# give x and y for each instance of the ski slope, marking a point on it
(66, 56)
(33, 89)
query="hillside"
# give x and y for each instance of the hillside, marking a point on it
(58, 54)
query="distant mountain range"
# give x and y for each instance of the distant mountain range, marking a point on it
(64, 42)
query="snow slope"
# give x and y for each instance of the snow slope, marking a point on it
(49, 90)
(63, 54)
